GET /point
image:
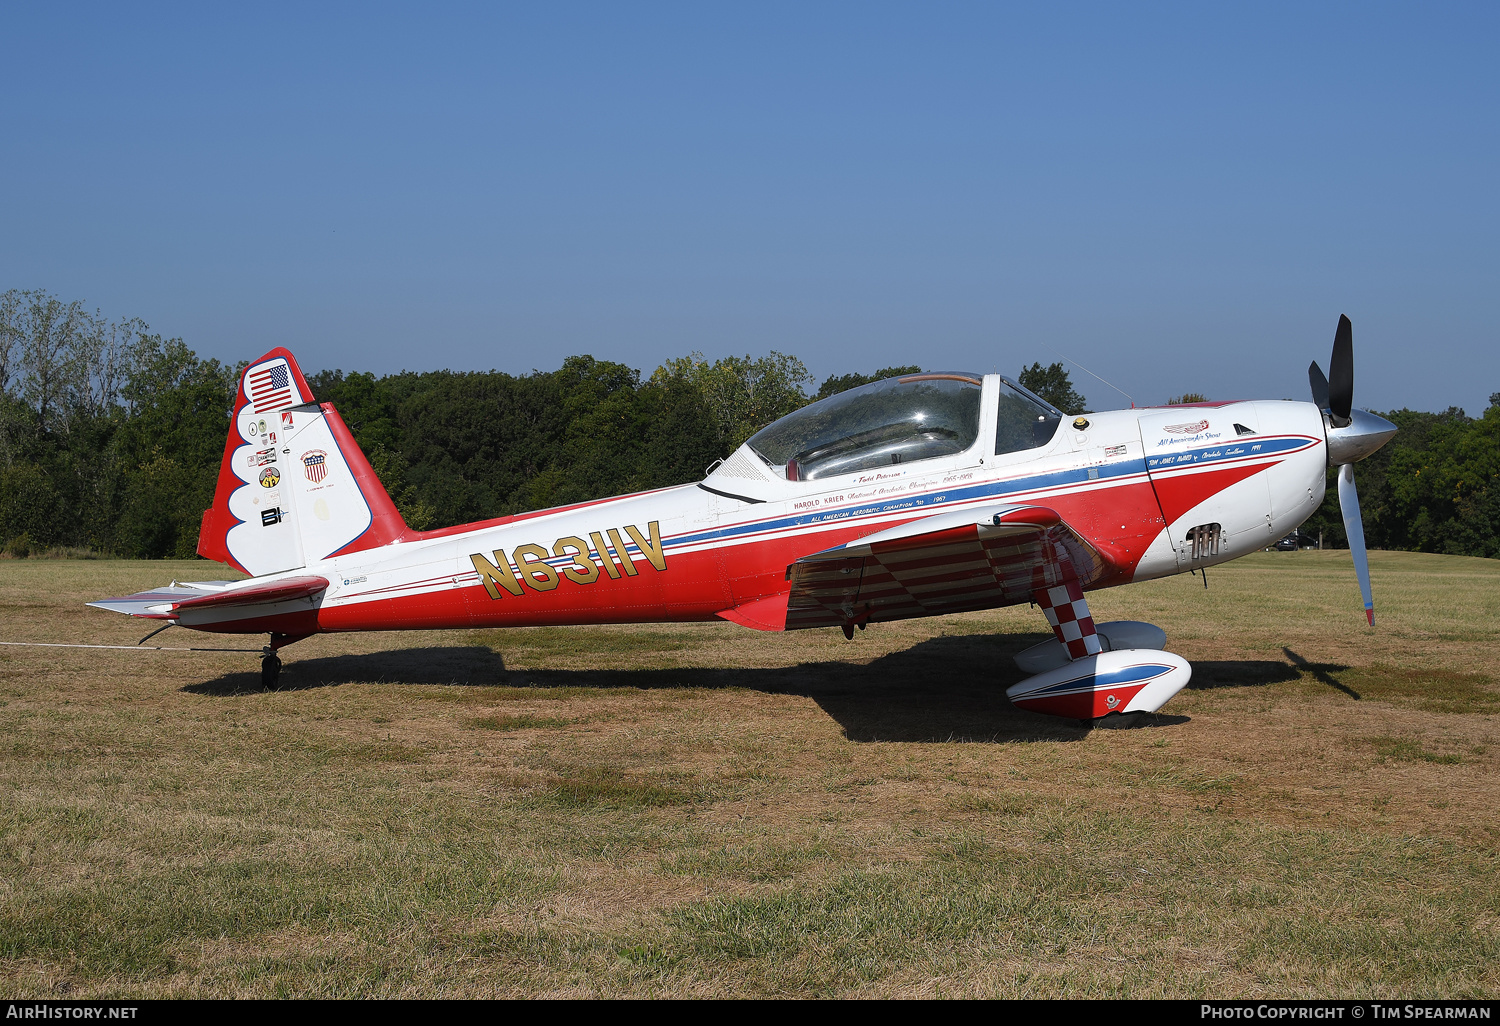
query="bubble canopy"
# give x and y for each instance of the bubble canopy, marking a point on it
(898, 420)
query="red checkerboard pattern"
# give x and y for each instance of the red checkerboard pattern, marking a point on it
(1068, 613)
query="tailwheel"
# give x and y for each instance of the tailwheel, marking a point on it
(270, 670)
(270, 664)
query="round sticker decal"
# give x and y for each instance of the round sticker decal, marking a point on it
(269, 477)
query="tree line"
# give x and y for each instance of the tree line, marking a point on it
(111, 437)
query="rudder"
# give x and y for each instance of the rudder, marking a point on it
(294, 487)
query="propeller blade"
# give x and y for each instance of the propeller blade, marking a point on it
(1319, 385)
(1354, 528)
(1341, 373)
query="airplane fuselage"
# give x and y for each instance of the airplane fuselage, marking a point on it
(1156, 491)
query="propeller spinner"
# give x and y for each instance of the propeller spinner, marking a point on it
(1352, 435)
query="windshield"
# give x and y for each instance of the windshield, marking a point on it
(899, 420)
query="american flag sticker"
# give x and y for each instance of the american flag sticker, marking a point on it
(270, 387)
(315, 465)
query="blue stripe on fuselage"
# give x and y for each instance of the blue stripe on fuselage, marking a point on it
(1243, 449)
(933, 498)
(924, 500)
(1268, 446)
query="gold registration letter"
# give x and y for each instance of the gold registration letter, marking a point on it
(498, 572)
(652, 549)
(627, 561)
(603, 550)
(584, 570)
(532, 560)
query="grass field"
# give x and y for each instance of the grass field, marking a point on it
(704, 810)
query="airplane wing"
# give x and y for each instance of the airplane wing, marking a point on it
(946, 563)
(169, 603)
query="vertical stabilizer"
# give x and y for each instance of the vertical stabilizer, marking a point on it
(294, 487)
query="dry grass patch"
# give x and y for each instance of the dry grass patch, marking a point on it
(701, 810)
(524, 721)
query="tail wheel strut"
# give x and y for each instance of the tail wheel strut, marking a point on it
(270, 663)
(270, 668)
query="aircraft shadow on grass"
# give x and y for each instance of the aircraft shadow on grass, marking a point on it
(1256, 673)
(950, 688)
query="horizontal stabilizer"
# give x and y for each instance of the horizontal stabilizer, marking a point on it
(167, 603)
(143, 602)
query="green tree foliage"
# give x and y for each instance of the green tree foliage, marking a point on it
(836, 383)
(1187, 397)
(109, 438)
(168, 448)
(452, 448)
(1053, 384)
(1435, 487)
(31, 510)
(742, 395)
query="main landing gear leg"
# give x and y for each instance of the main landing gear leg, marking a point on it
(1081, 677)
(1068, 613)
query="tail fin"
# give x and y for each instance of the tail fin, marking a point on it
(294, 487)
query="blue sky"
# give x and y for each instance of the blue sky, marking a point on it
(1178, 197)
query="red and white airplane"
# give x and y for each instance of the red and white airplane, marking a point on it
(914, 496)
